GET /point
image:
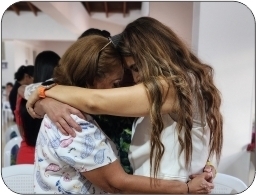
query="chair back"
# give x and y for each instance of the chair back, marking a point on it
(8, 149)
(6, 112)
(11, 132)
(19, 178)
(227, 184)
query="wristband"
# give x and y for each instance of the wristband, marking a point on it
(209, 163)
(42, 89)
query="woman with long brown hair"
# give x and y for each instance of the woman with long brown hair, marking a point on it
(185, 103)
(175, 92)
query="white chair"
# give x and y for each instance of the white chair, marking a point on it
(227, 184)
(6, 112)
(9, 131)
(8, 149)
(19, 178)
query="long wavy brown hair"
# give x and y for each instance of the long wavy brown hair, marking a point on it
(159, 53)
(86, 60)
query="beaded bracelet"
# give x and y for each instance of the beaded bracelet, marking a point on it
(41, 90)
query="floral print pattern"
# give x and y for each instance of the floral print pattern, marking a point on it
(60, 159)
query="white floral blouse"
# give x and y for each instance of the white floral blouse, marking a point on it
(60, 159)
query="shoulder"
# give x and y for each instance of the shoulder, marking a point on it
(29, 89)
(88, 125)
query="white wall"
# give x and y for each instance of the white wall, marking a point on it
(43, 32)
(57, 46)
(27, 26)
(17, 53)
(112, 28)
(21, 53)
(226, 40)
(8, 74)
(177, 15)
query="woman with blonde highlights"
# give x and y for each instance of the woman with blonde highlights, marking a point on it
(180, 123)
(170, 72)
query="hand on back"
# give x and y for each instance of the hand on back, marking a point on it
(59, 113)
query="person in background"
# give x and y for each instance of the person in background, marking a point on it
(45, 63)
(5, 97)
(95, 31)
(23, 76)
(8, 88)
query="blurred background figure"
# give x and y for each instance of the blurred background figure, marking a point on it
(5, 96)
(8, 88)
(7, 114)
(45, 63)
(95, 31)
(23, 76)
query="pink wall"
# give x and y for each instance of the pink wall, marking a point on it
(177, 15)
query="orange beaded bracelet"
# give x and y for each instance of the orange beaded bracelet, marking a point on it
(42, 89)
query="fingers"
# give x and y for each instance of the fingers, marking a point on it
(60, 113)
(61, 129)
(206, 191)
(200, 185)
(206, 188)
(206, 184)
(209, 188)
(38, 116)
(65, 128)
(76, 112)
(193, 176)
(31, 112)
(208, 168)
(70, 122)
(207, 176)
(210, 177)
(30, 104)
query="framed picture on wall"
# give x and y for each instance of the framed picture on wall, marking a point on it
(4, 65)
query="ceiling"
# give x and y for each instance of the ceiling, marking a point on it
(90, 6)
